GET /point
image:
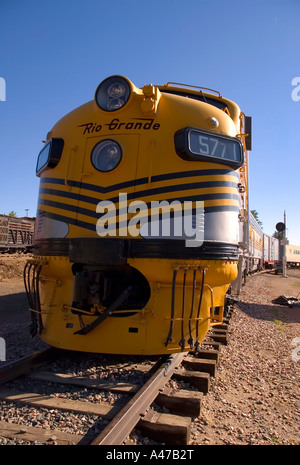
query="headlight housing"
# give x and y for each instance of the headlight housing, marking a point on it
(106, 155)
(50, 155)
(112, 93)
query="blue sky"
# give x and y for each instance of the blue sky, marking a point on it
(53, 54)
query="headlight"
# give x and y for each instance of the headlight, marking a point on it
(106, 155)
(112, 93)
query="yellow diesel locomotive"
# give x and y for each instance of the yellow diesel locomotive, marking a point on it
(141, 213)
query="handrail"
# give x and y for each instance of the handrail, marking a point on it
(193, 87)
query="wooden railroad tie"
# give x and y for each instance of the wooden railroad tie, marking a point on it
(209, 354)
(180, 402)
(43, 401)
(171, 429)
(200, 364)
(218, 335)
(214, 344)
(196, 379)
(46, 436)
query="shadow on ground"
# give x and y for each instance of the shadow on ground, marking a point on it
(14, 307)
(271, 312)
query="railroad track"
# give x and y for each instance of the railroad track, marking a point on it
(143, 409)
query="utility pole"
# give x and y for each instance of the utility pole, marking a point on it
(281, 228)
(284, 249)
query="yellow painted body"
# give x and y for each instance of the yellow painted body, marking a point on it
(153, 322)
(70, 192)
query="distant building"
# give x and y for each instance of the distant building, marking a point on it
(293, 255)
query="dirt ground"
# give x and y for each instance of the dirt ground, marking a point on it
(254, 399)
(15, 317)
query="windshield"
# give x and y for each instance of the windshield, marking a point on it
(201, 97)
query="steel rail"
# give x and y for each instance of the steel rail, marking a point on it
(123, 423)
